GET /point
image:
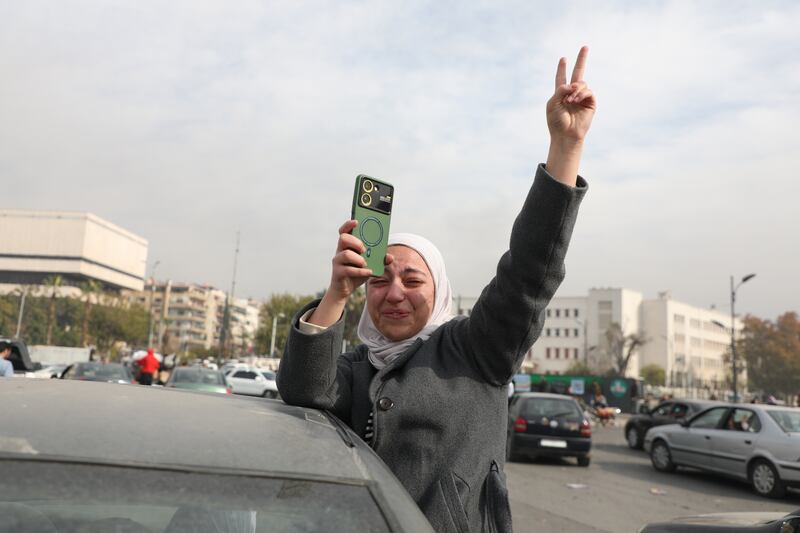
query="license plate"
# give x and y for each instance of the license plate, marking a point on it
(548, 443)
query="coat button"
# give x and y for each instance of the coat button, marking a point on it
(385, 404)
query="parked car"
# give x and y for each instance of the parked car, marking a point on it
(20, 358)
(759, 522)
(91, 371)
(547, 425)
(186, 462)
(668, 412)
(253, 382)
(756, 443)
(198, 378)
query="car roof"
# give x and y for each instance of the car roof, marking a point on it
(545, 395)
(153, 426)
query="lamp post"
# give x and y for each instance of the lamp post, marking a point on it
(584, 324)
(21, 310)
(274, 329)
(152, 297)
(733, 332)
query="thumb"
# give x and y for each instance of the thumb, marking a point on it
(562, 91)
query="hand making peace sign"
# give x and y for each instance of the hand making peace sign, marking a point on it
(571, 108)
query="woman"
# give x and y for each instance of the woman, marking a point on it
(426, 390)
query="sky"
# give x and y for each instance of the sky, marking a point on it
(188, 121)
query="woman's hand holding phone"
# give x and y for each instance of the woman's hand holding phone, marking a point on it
(348, 272)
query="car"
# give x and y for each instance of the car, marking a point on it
(759, 444)
(668, 412)
(186, 461)
(94, 371)
(198, 378)
(253, 382)
(20, 358)
(547, 425)
(758, 522)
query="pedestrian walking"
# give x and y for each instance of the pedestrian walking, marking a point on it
(148, 365)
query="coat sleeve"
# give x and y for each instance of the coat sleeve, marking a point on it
(313, 371)
(507, 318)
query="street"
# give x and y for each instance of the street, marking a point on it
(620, 491)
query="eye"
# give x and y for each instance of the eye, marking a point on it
(377, 281)
(414, 282)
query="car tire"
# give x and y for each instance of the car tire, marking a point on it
(511, 455)
(269, 394)
(661, 457)
(634, 438)
(765, 480)
(584, 460)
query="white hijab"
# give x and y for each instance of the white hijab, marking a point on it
(383, 351)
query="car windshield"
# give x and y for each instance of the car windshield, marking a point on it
(269, 375)
(198, 375)
(553, 408)
(789, 421)
(101, 371)
(46, 497)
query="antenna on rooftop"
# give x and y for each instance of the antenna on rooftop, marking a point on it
(226, 317)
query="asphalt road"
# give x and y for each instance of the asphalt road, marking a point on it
(620, 492)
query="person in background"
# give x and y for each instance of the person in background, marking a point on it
(148, 365)
(6, 368)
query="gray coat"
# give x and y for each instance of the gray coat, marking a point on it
(441, 407)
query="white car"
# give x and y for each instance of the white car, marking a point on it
(253, 382)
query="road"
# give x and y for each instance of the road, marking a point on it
(621, 492)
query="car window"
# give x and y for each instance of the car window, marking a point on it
(269, 375)
(679, 410)
(789, 421)
(663, 409)
(709, 419)
(198, 375)
(242, 374)
(552, 408)
(743, 420)
(102, 498)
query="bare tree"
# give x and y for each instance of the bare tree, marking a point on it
(621, 348)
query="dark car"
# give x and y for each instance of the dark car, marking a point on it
(761, 522)
(547, 425)
(198, 378)
(668, 412)
(91, 371)
(183, 461)
(19, 357)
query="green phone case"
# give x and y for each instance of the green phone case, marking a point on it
(372, 207)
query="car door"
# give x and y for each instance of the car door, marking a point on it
(734, 442)
(243, 382)
(692, 444)
(661, 415)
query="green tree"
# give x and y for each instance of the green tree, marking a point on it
(579, 368)
(653, 375)
(91, 291)
(283, 306)
(771, 351)
(110, 324)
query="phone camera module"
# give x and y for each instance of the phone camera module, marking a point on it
(366, 199)
(368, 186)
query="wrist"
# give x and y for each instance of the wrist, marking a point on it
(566, 146)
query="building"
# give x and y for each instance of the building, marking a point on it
(189, 317)
(79, 247)
(690, 343)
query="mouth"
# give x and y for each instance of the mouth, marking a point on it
(395, 315)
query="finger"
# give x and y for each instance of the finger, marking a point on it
(576, 95)
(357, 273)
(348, 226)
(349, 258)
(561, 72)
(388, 260)
(580, 64)
(350, 242)
(574, 88)
(586, 97)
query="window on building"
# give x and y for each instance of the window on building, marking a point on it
(693, 322)
(566, 313)
(557, 352)
(557, 332)
(547, 332)
(575, 313)
(558, 313)
(575, 331)
(566, 332)
(548, 313)
(547, 353)
(679, 319)
(575, 354)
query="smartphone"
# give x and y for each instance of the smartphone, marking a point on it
(372, 207)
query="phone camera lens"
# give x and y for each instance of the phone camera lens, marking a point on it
(368, 186)
(366, 199)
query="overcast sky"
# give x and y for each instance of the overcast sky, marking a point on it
(185, 121)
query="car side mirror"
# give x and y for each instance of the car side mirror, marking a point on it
(684, 422)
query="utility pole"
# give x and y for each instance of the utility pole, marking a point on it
(733, 334)
(223, 336)
(152, 297)
(21, 310)
(274, 332)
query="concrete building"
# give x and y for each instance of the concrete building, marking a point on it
(35, 245)
(686, 341)
(189, 316)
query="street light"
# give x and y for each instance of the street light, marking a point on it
(274, 328)
(733, 332)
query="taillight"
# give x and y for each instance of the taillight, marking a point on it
(228, 390)
(586, 429)
(520, 425)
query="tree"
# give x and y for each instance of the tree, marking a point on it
(90, 289)
(654, 375)
(771, 351)
(620, 348)
(283, 306)
(54, 282)
(579, 368)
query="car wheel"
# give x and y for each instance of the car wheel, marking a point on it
(584, 460)
(511, 456)
(661, 457)
(765, 480)
(634, 438)
(270, 394)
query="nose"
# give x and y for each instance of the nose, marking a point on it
(396, 292)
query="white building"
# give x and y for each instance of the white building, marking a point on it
(35, 245)
(686, 341)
